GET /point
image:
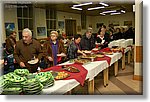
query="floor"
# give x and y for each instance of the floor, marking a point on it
(122, 84)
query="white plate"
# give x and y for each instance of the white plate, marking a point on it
(33, 61)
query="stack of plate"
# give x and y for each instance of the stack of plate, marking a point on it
(9, 75)
(22, 72)
(12, 91)
(46, 79)
(16, 81)
(4, 84)
(32, 86)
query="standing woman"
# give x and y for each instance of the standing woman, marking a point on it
(11, 42)
(74, 48)
(53, 50)
(102, 40)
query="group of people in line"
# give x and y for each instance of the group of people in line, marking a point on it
(53, 52)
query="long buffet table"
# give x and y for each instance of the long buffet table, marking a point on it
(93, 68)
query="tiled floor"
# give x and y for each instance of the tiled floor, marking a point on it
(122, 84)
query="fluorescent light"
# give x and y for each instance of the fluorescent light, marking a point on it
(109, 11)
(102, 14)
(94, 8)
(89, 3)
(133, 8)
(76, 8)
(123, 11)
(117, 13)
(103, 4)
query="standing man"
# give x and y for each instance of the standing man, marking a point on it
(87, 41)
(27, 49)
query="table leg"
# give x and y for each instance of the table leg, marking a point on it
(91, 87)
(123, 61)
(129, 57)
(116, 68)
(105, 74)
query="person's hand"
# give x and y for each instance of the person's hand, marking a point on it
(50, 58)
(22, 64)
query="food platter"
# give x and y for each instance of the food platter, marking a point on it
(108, 53)
(71, 69)
(95, 49)
(82, 61)
(100, 55)
(116, 49)
(62, 75)
(88, 57)
(87, 52)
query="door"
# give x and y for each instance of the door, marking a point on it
(70, 27)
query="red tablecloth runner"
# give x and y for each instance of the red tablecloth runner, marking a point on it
(80, 77)
(108, 59)
(105, 50)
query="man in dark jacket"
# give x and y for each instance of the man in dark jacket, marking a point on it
(87, 41)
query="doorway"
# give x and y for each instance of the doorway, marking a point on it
(70, 27)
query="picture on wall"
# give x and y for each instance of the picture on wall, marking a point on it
(41, 31)
(9, 27)
(61, 24)
(127, 23)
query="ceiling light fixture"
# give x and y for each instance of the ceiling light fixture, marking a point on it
(95, 8)
(109, 11)
(117, 13)
(123, 11)
(76, 8)
(102, 14)
(104, 4)
(89, 3)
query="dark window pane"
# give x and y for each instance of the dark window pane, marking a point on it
(48, 24)
(19, 24)
(48, 33)
(47, 14)
(25, 12)
(19, 12)
(51, 25)
(26, 23)
(31, 24)
(20, 35)
(30, 12)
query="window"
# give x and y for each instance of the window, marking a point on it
(25, 18)
(50, 20)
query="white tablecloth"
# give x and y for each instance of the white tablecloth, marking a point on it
(63, 86)
(115, 57)
(94, 68)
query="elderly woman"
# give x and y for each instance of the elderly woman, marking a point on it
(74, 48)
(102, 40)
(53, 50)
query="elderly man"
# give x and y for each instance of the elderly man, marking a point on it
(26, 50)
(53, 50)
(87, 41)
